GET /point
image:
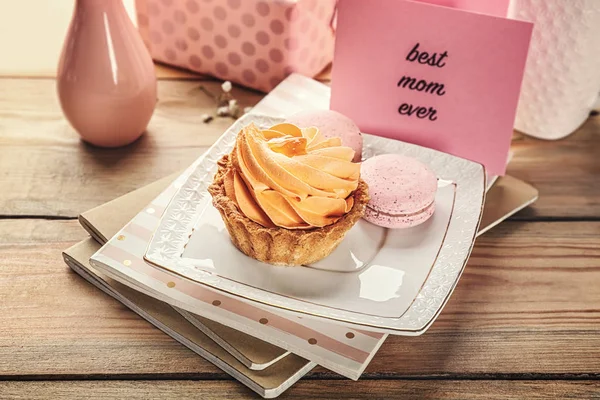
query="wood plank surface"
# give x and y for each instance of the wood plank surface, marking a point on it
(305, 389)
(565, 172)
(46, 171)
(39, 231)
(526, 306)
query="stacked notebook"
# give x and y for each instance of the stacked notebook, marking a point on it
(265, 350)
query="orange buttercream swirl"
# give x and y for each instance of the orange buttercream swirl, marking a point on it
(290, 177)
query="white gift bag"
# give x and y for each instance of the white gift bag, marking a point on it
(562, 77)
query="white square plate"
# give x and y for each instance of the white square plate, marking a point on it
(395, 281)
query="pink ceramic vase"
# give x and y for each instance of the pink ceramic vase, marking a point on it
(106, 81)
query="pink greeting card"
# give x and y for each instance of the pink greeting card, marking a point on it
(498, 8)
(441, 77)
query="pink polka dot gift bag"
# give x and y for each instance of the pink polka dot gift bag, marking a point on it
(256, 43)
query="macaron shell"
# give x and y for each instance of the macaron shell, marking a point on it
(332, 124)
(398, 184)
(398, 221)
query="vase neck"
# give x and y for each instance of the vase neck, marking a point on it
(100, 5)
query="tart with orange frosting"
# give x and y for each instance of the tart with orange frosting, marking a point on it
(288, 195)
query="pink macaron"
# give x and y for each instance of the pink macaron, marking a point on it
(402, 191)
(332, 124)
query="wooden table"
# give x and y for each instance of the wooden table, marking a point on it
(524, 321)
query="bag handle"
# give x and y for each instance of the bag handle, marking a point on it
(333, 22)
